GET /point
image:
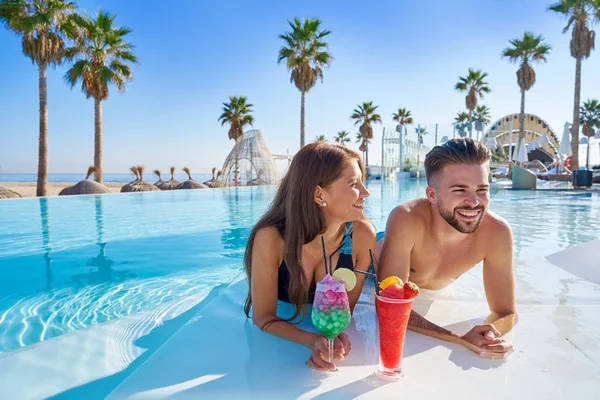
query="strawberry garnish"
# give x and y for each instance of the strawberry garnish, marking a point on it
(411, 290)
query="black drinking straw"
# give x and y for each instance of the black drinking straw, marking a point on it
(374, 276)
(373, 264)
(324, 254)
(331, 257)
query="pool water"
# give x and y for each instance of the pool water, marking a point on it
(68, 263)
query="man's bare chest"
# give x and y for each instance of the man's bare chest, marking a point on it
(434, 267)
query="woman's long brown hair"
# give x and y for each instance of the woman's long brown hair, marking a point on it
(296, 215)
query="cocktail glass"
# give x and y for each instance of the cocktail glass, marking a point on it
(392, 318)
(331, 310)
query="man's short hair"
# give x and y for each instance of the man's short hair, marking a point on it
(455, 151)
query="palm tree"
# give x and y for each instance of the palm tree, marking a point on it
(590, 119)
(462, 123)
(402, 117)
(342, 138)
(306, 54)
(420, 133)
(481, 117)
(529, 48)
(42, 25)
(365, 115)
(364, 144)
(320, 139)
(101, 57)
(475, 86)
(581, 14)
(237, 113)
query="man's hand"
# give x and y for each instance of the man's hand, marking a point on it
(485, 340)
(319, 358)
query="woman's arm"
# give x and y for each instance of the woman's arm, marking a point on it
(267, 255)
(363, 240)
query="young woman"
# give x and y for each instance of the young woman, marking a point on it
(322, 194)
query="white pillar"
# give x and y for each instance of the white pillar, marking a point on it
(510, 155)
(382, 154)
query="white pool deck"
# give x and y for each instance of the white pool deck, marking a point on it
(218, 353)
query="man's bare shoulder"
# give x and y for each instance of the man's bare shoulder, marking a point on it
(496, 228)
(410, 215)
(411, 211)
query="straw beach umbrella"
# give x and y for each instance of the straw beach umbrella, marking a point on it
(214, 183)
(160, 182)
(171, 184)
(86, 186)
(139, 185)
(128, 187)
(190, 183)
(8, 194)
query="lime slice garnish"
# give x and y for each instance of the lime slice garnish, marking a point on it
(390, 280)
(345, 276)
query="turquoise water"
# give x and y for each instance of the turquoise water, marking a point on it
(70, 263)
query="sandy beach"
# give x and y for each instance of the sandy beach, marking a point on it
(27, 189)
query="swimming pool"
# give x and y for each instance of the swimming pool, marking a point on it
(74, 262)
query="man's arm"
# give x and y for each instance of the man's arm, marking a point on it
(419, 324)
(499, 278)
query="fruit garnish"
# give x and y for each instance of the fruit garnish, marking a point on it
(411, 290)
(345, 276)
(393, 291)
(390, 280)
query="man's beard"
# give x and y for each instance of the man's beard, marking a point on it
(461, 226)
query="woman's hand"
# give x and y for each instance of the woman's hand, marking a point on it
(319, 358)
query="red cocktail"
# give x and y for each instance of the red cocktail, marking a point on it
(392, 316)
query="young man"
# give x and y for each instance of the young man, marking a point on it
(433, 241)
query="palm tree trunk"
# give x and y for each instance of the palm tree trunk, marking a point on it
(575, 127)
(302, 105)
(98, 140)
(42, 176)
(470, 123)
(521, 120)
(587, 162)
(367, 155)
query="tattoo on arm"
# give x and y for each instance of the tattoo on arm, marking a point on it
(419, 324)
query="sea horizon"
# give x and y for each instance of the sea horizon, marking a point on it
(106, 177)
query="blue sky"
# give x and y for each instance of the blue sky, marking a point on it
(195, 54)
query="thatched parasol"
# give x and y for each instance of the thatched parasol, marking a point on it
(160, 182)
(173, 183)
(190, 183)
(86, 186)
(214, 183)
(129, 186)
(139, 185)
(8, 194)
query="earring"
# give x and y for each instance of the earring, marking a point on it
(324, 204)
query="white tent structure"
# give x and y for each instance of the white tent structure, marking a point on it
(521, 156)
(565, 142)
(250, 162)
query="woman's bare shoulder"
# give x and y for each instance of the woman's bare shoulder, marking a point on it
(268, 236)
(364, 228)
